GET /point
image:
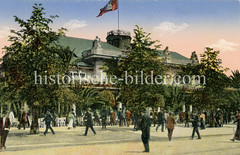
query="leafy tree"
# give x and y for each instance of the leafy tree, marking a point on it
(108, 97)
(210, 95)
(34, 49)
(111, 67)
(211, 67)
(174, 98)
(216, 80)
(141, 60)
(233, 96)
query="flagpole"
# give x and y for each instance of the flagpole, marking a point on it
(118, 13)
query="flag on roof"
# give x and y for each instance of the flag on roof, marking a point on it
(111, 6)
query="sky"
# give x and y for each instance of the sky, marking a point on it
(182, 25)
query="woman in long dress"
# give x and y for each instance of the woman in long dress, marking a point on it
(71, 118)
(11, 117)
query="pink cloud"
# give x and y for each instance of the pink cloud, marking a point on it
(224, 46)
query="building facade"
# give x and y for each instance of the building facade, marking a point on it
(89, 55)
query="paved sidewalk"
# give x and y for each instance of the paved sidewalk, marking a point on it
(120, 140)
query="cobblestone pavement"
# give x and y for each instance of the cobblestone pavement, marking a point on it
(121, 140)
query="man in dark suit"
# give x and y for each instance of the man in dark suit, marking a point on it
(104, 118)
(89, 122)
(48, 119)
(22, 119)
(161, 120)
(195, 127)
(145, 128)
(5, 125)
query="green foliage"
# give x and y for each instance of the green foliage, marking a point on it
(108, 97)
(174, 98)
(235, 79)
(143, 57)
(111, 67)
(210, 66)
(234, 99)
(34, 48)
(210, 60)
(200, 99)
(210, 95)
(88, 97)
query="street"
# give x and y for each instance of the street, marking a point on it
(121, 140)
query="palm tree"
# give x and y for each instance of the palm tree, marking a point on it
(88, 98)
(234, 99)
(235, 79)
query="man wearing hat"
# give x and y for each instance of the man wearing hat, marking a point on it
(161, 120)
(89, 122)
(145, 128)
(5, 125)
(48, 119)
(195, 127)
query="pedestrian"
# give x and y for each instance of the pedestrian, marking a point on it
(195, 125)
(237, 132)
(133, 119)
(155, 118)
(187, 119)
(5, 125)
(225, 117)
(120, 118)
(112, 118)
(34, 125)
(170, 125)
(128, 117)
(28, 120)
(97, 118)
(89, 122)
(218, 118)
(124, 117)
(202, 121)
(48, 119)
(145, 125)
(211, 118)
(165, 114)
(22, 119)
(11, 117)
(71, 122)
(137, 121)
(181, 117)
(221, 119)
(104, 118)
(161, 120)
